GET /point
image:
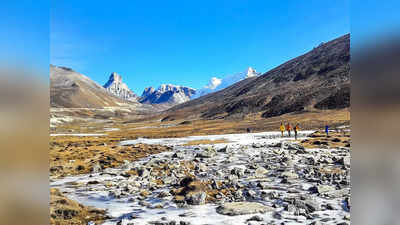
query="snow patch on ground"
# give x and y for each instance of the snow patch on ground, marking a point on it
(244, 139)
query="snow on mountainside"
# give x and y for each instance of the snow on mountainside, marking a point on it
(217, 84)
(167, 93)
(118, 88)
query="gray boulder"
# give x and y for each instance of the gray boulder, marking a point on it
(242, 208)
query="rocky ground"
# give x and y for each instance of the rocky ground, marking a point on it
(253, 179)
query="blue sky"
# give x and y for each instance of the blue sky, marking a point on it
(187, 42)
(24, 37)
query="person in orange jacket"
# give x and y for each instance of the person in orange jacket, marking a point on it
(288, 128)
(296, 129)
(282, 128)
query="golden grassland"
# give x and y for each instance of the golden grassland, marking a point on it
(333, 140)
(179, 128)
(78, 155)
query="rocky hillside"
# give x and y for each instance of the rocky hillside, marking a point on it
(70, 89)
(319, 79)
(118, 88)
(167, 94)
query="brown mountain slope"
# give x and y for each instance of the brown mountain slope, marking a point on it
(319, 79)
(69, 89)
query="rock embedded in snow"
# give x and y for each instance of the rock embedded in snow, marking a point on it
(255, 218)
(321, 189)
(196, 198)
(289, 175)
(242, 208)
(260, 172)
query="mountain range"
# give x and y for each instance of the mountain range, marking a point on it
(317, 80)
(167, 94)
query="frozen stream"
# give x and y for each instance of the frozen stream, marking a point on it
(259, 167)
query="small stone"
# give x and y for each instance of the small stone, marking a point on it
(325, 188)
(289, 175)
(238, 172)
(255, 218)
(196, 198)
(260, 172)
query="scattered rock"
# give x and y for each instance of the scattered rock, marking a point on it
(260, 172)
(289, 175)
(196, 198)
(242, 208)
(255, 218)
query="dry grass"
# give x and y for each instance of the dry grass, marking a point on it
(206, 142)
(334, 140)
(153, 128)
(66, 211)
(78, 155)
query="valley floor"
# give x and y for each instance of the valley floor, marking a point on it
(181, 179)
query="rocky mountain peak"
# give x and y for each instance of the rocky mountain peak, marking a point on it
(167, 93)
(118, 88)
(115, 77)
(148, 91)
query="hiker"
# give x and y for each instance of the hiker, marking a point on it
(288, 128)
(327, 130)
(296, 129)
(248, 130)
(282, 128)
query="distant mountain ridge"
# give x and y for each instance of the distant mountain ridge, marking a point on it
(118, 88)
(70, 89)
(167, 94)
(217, 84)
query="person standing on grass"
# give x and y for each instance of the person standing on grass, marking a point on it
(282, 128)
(327, 130)
(296, 129)
(288, 128)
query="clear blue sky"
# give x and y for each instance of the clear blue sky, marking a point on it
(24, 37)
(187, 42)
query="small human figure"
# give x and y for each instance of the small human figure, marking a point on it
(282, 128)
(248, 130)
(296, 129)
(288, 128)
(327, 130)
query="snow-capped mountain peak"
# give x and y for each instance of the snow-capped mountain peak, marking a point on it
(216, 84)
(167, 93)
(251, 72)
(118, 88)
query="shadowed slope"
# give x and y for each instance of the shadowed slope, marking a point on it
(319, 79)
